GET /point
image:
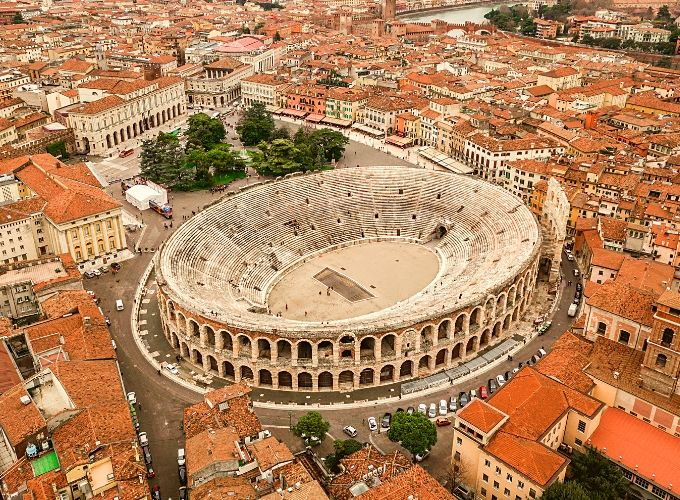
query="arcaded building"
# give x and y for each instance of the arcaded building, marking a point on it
(348, 278)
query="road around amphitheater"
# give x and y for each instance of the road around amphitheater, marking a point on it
(163, 400)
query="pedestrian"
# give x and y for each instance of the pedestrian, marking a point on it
(286, 307)
(139, 405)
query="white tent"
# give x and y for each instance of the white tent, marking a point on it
(140, 195)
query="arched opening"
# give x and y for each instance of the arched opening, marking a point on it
(460, 324)
(406, 369)
(197, 357)
(227, 344)
(185, 350)
(283, 349)
(387, 346)
(265, 377)
(455, 352)
(325, 350)
(325, 380)
(212, 363)
(108, 141)
(195, 330)
(285, 379)
(496, 330)
(304, 350)
(500, 304)
(367, 347)
(346, 380)
(366, 376)
(264, 350)
(426, 338)
(506, 323)
(661, 361)
(443, 330)
(211, 335)
(484, 339)
(489, 308)
(245, 348)
(247, 373)
(440, 231)
(174, 341)
(228, 370)
(440, 360)
(346, 353)
(387, 374)
(424, 363)
(471, 346)
(347, 339)
(475, 318)
(515, 313)
(667, 337)
(304, 381)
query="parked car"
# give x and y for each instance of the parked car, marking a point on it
(483, 393)
(422, 408)
(172, 368)
(115, 266)
(182, 473)
(500, 380)
(181, 457)
(150, 473)
(183, 493)
(372, 424)
(453, 403)
(143, 439)
(443, 407)
(508, 375)
(442, 421)
(113, 344)
(579, 286)
(473, 394)
(104, 269)
(410, 410)
(420, 458)
(156, 493)
(570, 257)
(350, 431)
(108, 321)
(92, 294)
(493, 386)
(88, 274)
(576, 272)
(386, 420)
(399, 410)
(464, 399)
(132, 398)
(96, 272)
(432, 411)
(541, 352)
(147, 455)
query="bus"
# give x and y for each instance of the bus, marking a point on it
(164, 210)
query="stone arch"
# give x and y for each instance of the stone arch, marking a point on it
(444, 330)
(210, 334)
(367, 348)
(500, 303)
(324, 350)
(285, 379)
(387, 374)
(496, 330)
(426, 338)
(476, 318)
(346, 379)
(406, 369)
(441, 358)
(484, 338)
(510, 300)
(488, 308)
(264, 377)
(304, 350)
(197, 357)
(515, 313)
(325, 380)
(471, 346)
(115, 138)
(366, 376)
(264, 349)
(109, 145)
(212, 364)
(459, 327)
(227, 343)
(247, 373)
(184, 351)
(506, 323)
(228, 370)
(283, 349)
(245, 346)
(456, 351)
(194, 329)
(388, 345)
(174, 340)
(424, 362)
(304, 380)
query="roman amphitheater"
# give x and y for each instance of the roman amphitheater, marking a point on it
(348, 278)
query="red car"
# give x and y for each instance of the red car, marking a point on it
(441, 422)
(483, 393)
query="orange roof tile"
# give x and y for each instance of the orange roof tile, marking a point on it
(481, 415)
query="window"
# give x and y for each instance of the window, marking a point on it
(459, 441)
(485, 478)
(483, 492)
(641, 482)
(624, 336)
(506, 492)
(578, 442)
(498, 471)
(667, 337)
(661, 360)
(627, 474)
(496, 485)
(581, 426)
(601, 328)
(508, 478)
(658, 492)
(532, 493)
(487, 463)
(520, 485)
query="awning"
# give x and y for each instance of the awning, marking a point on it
(445, 161)
(336, 121)
(314, 118)
(272, 109)
(293, 112)
(368, 130)
(402, 142)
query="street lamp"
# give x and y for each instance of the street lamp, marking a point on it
(290, 420)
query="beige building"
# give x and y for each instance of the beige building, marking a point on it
(219, 84)
(560, 78)
(263, 88)
(345, 103)
(112, 112)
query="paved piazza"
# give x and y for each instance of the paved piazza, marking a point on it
(459, 270)
(390, 271)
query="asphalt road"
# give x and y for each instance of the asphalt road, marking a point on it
(163, 401)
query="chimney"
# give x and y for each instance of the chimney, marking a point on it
(86, 321)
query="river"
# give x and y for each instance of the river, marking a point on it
(472, 13)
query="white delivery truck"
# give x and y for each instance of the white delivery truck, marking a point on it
(572, 310)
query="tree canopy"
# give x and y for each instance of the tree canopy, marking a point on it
(18, 18)
(598, 476)
(343, 448)
(570, 490)
(162, 159)
(256, 125)
(311, 424)
(204, 131)
(415, 432)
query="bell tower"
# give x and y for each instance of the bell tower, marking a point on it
(389, 10)
(661, 366)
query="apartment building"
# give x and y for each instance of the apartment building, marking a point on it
(345, 103)
(380, 112)
(219, 85)
(263, 88)
(112, 112)
(560, 78)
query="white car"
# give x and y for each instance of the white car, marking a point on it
(422, 408)
(172, 368)
(143, 439)
(350, 431)
(453, 403)
(132, 398)
(372, 424)
(181, 458)
(576, 273)
(443, 408)
(432, 412)
(500, 380)
(473, 394)
(96, 272)
(570, 257)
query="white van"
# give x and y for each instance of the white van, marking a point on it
(572, 310)
(119, 305)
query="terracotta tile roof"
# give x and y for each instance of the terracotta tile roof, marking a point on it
(98, 106)
(19, 421)
(225, 63)
(670, 298)
(481, 415)
(411, 484)
(613, 229)
(9, 377)
(625, 301)
(566, 360)
(609, 259)
(90, 383)
(21, 209)
(639, 446)
(646, 274)
(225, 487)
(270, 452)
(209, 447)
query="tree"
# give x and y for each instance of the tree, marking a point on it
(454, 475)
(663, 14)
(343, 448)
(331, 143)
(256, 125)
(223, 160)
(280, 133)
(570, 490)
(204, 132)
(588, 40)
(279, 157)
(18, 18)
(311, 425)
(162, 160)
(528, 27)
(277, 37)
(598, 476)
(415, 432)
